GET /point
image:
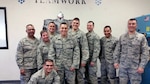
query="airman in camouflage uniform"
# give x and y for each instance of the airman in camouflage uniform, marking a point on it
(131, 55)
(52, 30)
(43, 48)
(94, 49)
(108, 44)
(84, 50)
(47, 75)
(27, 54)
(64, 50)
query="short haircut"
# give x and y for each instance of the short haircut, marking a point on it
(107, 26)
(64, 23)
(43, 32)
(29, 25)
(51, 22)
(132, 19)
(76, 18)
(47, 60)
(91, 22)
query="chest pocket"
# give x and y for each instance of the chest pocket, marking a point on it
(90, 40)
(91, 43)
(110, 44)
(27, 47)
(50, 81)
(123, 42)
(124, 46)
(136, 45)
(58, 48)
(69, 47)
(41, 81)
(45, 50)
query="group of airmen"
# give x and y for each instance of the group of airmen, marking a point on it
(70, 55)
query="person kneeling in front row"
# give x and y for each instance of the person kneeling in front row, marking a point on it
(46, 75)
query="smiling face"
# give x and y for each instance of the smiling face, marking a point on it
(132, 24)
(90, 26)
(51, 27)
(48, 67)
(63, 30)
(45, 36)
(107, 32)
(75, 24)
(30, 30)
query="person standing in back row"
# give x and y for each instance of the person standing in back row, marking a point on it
(94, 49)
(108, 44)
(52, 30)
(131, 55)
(26, 54)
(76, 33)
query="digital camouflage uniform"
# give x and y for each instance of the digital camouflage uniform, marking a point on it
(84, 53)
(65, 53)
(42, 53)
(40, 78)
(94, 49)
(106, 58)
(131, 53)
(51, 36)
(26, 57)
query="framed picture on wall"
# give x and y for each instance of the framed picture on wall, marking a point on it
(3, 29)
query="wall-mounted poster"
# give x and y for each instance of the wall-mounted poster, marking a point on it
(3, 29)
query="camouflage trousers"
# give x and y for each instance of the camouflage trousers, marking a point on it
(28, 73)
(80, 75)
(126, 74)
(91, 73)
(108, 72)
(66, 76)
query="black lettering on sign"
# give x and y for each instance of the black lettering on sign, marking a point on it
(61, 1)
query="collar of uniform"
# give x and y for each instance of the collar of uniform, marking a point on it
(60, 38)
(43, 73)
(108, 39)
(76, 30)
(30, 38)
(52, 34)
(127, 35)
(89, 33)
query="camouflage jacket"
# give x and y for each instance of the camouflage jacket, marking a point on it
(42, 53)
(132, 52)
(94, 45)
(27, 53)
(65, 52)
(40, 78)
(83, 44)
(107, 48)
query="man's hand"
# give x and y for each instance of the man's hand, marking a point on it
(72, 69)
(92, 63)
(22, 71)
(83, 64)
(116, 65)
(140, 70)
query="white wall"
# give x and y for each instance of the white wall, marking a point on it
(110, 12)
